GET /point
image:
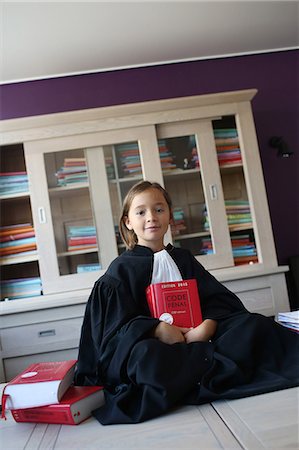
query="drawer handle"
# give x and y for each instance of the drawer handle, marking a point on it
(41, 215)
(213, 191)
(46, 333)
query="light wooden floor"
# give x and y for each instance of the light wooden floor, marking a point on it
(263, 421)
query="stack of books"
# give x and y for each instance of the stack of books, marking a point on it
(17, 240)
(289, 320)
(166, 156)
(73, 171)
(129, 158)
(81, 237)
(238, 214)
(20, 288)
(227, 146)
(13, 183)
(44, 393)
(244, 249)
(178, 225)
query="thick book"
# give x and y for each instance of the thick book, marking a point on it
(75, 406)
(40, 384)
(175, 302)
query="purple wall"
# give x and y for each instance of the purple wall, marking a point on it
(275, 108)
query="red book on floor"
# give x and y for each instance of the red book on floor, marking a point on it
(40, 384)
(75, 406)
(175, 302)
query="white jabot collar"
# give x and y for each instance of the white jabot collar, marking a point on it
(165, 269)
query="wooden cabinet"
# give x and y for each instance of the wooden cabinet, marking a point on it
(81, 164)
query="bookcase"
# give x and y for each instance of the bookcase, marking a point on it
(64, 177)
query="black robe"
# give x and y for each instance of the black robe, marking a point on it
(143, 377)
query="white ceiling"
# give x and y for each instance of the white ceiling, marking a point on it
(49, 39)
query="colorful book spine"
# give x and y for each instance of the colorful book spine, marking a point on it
(20, 288)
(178, 224)
(73, 171)
(129, 159)
(243, 248)
(17, 239)
(227, 146)
(83, 268)
(238, 215)
(13, 183)
(81, 237)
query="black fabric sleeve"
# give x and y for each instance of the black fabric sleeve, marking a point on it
(112, 324)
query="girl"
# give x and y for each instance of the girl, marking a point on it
(148, 366)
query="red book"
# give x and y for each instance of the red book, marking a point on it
(75, 406)
(175, 302)
(40, 384)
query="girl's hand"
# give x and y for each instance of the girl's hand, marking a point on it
(202, 333)
(170, 334)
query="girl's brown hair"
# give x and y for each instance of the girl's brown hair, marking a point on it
(128, 236)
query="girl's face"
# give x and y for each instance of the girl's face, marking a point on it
(149, 217)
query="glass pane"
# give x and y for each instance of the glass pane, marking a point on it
(237, 205)
(19, 270)
(123, 168)
(73, 222)
(182, 179)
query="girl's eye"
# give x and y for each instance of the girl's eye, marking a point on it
(159, 210)
(140, 213)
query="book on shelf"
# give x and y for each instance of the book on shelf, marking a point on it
(92, 267)
(175, 302)
(74, 170)
(238, 215)
(40, 384)
(178, 223)
(21, 287)
(227, 146)
(129, 159)
(80, 237)
(17, 239)
(75, 406)
(13, 183)
(16, 236)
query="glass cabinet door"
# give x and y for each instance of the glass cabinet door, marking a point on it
(66, 219)
(237, 205)
(123, 170)
(203, 171)
(73, 222)
(191, 176)
(78, 202)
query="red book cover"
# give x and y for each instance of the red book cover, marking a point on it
(40, 384)
(175, 302)
(75, 406)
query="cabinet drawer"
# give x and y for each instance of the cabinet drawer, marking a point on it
(17, 338)
(258, 300)
(13, 366)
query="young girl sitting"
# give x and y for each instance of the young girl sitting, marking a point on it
(148, 366)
